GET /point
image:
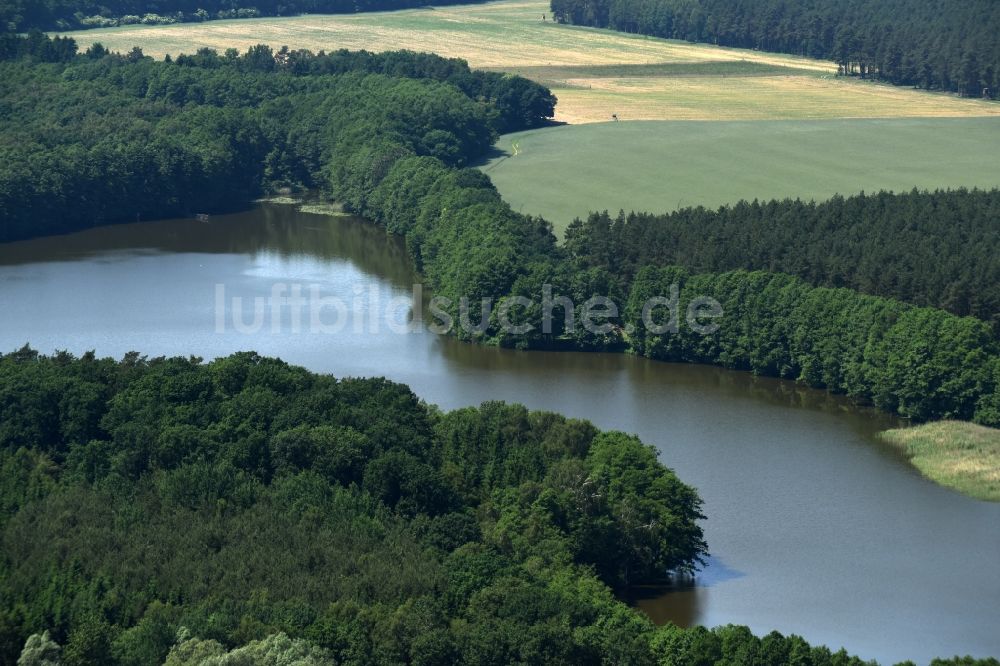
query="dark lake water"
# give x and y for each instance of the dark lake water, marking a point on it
(814, 527)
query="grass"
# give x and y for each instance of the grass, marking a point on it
(593, 72)
(498, 34)
(959, 455)
(767, 97)
(332, 209)
(566, 172)
(561, 73)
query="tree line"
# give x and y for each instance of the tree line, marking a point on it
(24, 15)
(99, 138)
(933, 45)
(921, 362)
(935, 249)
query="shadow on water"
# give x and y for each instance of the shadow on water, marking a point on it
(716, 571)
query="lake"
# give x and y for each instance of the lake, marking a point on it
(814, 527)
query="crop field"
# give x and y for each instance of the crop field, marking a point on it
(820, 134)
(595, 73)
(565, 172)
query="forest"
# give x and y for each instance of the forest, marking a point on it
(155, 507)
(24, 15)
(209, 132)
(933, 249)
(933, 45)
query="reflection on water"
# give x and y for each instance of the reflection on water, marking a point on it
(814, 527)
(679, 604)
(740, 384)
(682, 601)
(280, 231)
(716, 572)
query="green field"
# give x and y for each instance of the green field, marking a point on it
(594, 73)
(565, 172)
(960, 455)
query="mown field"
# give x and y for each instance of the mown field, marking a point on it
(595, 73)
(565, 172)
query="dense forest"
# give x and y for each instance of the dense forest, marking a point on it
(97, 138)
(949, 46)
(936, 249)
(24, 15)
(166, 505)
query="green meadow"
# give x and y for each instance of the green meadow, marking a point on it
(960, 455)
(658, 166)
